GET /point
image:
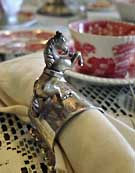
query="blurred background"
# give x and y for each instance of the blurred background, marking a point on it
(25, 27)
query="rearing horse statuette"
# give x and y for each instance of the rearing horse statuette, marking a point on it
(55, 102)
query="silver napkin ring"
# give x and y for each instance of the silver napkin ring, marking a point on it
(55, 102)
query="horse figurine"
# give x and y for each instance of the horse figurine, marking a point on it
(55, 101)
(55, 64)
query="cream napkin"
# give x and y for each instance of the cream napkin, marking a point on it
(92, 142)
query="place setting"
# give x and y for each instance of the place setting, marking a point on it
(108, 50)
(73, 78)
(17, 43)
(107, 47)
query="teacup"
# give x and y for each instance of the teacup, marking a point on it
(108, 47)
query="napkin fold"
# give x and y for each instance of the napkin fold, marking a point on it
(91, 142)
(17, 77)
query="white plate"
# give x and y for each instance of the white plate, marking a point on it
(99, 80)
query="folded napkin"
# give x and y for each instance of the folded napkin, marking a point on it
(91, 142)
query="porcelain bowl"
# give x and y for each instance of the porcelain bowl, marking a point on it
(126, 9)
(108, 47)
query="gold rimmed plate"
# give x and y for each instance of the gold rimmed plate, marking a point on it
(23, 41)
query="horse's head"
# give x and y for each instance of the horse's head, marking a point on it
(60, 41)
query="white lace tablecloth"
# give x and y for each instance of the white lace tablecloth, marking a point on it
(19, 153)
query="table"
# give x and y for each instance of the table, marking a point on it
(20, 153)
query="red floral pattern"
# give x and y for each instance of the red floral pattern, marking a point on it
(23, 41)
(109, 28)
(126, 51)
(122, 57)
(85, 48)
(114, 67)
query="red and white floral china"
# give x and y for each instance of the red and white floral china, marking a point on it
(23, 42)
(108, 47)
(102, 81)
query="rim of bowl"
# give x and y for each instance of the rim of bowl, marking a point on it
(70, 26)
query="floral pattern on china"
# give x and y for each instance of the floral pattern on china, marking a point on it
(23, 42)
(123, 54)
